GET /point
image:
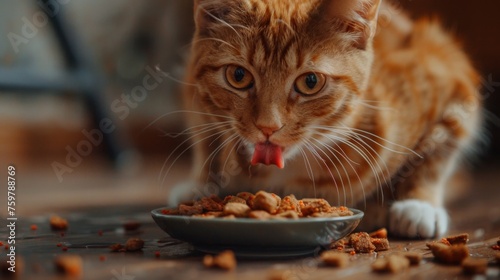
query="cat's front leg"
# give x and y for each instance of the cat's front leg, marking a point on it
(421, 186)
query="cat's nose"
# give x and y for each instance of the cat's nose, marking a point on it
(268, 130)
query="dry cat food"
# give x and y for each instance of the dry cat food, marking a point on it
(474, 266)
(132, 245)
(335, 258)
(363, 242)
(262, 205)
(58, 223)
(452, 240)
(449, 254)
(414, 257)
(70, 265)
(225, 260)
(392, 264)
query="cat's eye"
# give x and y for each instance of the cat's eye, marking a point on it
(239, 77)
(310, 83)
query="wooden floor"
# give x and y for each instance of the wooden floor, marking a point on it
(97, 202)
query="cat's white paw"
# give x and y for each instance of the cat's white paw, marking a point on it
(417, 219)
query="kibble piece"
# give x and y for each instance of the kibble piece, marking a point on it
(414, 257)
(188, 210)
(361, 242)
(289, 215)
(248, 197)
(236, 209)
(381, 233)
(134, 244)
(259, 214)
(392, 264)
(381, 244)
(289, 203)
(58, 223)
(335, 258)
(225, 260)
(70, 265)
(235, 199)
(458, 239)
(397, 263)
(209, 205)
(309, 206)
(116, 247)
(269, 202)
(338, 245)
(453, 254)
(474, 266)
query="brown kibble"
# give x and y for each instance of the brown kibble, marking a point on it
(361, 242)
(70, 265)
(335, 258)
(289, 203)
(225, 260)
(309, 206)
(474, 266)
(236, 209)
(116, 247)
(453, 254)
(458, 239)
(381, 233)
(188, 210)
(58, 223)
(259, 214)
(281, 274)
(381, 244)
(266, 201)
(414, 257)
(134, 244)
(130, 226)
(208, 204)
(392, 264)
(248, 197)
(289, 215)
(233, 199)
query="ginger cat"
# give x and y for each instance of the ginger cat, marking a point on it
(325, 98)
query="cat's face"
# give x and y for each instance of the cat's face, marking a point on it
(282, 70)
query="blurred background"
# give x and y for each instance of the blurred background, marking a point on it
(121, 61)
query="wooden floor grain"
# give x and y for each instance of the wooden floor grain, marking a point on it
(97, 203)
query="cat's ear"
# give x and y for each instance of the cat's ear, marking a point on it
(207, 13)
(357, 17)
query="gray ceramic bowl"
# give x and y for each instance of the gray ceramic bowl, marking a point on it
(258, 238)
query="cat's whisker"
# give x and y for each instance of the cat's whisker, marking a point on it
(172, 78)
(359, 131)
(212, 155)
(366, 103)
(363, 154)
(184, 112)
(329, 171)
(367, 148)
(217, 40)
(193, 128)
(309, 169)
(233, 148)
(334, 153)
(209, 129)
(223, 22)
(348, 161)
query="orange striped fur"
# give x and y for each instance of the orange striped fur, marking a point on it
(399, 107)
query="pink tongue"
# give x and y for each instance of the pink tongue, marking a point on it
(268, 154)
